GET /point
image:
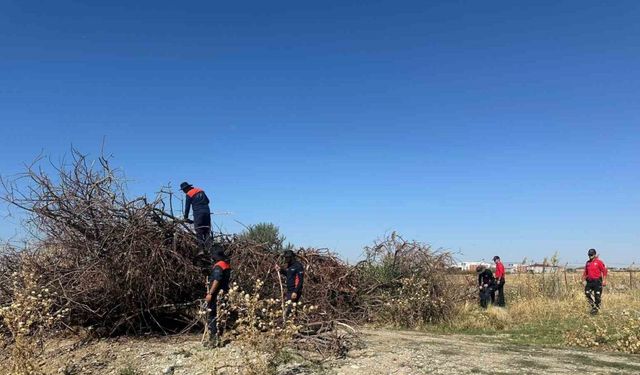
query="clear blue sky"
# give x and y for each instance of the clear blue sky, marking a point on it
(484, 127)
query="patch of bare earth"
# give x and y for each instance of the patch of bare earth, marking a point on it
(384, 352)
(410, 352)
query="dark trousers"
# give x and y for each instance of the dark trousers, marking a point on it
(485, 296)
(203, 234)
(593, 291)
(213, 317)
(288, 298)
(499, 288)
(202, 226)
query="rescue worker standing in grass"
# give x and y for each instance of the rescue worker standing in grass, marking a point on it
(217, 284)
(499, 287)
(197, 199)
(485, 285)
(294, 272)
(594, 278)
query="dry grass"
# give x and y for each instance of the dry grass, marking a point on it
(259, 327)
(541, 312)
(260, 320)
(28, 318)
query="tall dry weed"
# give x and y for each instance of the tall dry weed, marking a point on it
(262, 327)
(28, 318)
(616, 327)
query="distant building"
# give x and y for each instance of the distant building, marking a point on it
(516, 268)
(471, 266)
(544, 268)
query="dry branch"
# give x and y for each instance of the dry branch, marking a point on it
(125, 265)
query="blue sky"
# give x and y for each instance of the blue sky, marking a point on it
(483, 127)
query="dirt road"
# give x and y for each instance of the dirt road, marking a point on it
(384, 352)
(409, 352)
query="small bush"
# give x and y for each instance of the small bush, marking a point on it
(407, 284)
(262, 324)
(413, 304)
(259, 321)
(620, 332)
(28, 317)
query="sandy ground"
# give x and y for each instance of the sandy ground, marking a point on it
(409, 352)
(384, 352)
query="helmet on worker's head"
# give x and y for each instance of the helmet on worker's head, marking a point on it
(480, 268)
(591, 252)
(185, 186)
(219, 255)
(496, 258)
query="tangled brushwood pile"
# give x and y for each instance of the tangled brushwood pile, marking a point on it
(119, 265)
(400, 282)
(123, 265)
(330, 283)
(407, 284)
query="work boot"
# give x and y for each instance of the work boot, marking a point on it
(213, 342)
(594, 310)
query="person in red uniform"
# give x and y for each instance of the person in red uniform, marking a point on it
(594, 278)
(499, 276)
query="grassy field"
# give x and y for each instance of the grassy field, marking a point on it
(551, 310)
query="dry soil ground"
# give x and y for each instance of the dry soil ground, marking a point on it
(384, 352)
(410, 352)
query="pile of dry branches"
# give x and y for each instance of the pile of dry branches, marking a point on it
(118, 264)
(329, 283)
(125, 265)
(408, 284)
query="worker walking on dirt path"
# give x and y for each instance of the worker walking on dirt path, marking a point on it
(485, 285)
(594, 278)
(499, 287)
(294, 273)
(197, 199)
(217, 284)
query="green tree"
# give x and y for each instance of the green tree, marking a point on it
(268, 235)
(555, 259)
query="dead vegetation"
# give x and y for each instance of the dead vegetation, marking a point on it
(406, 284)
(119, 265)
(27, 320)
(123, 265)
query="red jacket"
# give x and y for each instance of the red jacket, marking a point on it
(499, 271)
(594, 270)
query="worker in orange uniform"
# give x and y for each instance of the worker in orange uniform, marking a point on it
(196, 198)
(217, 284)
(294, 273)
